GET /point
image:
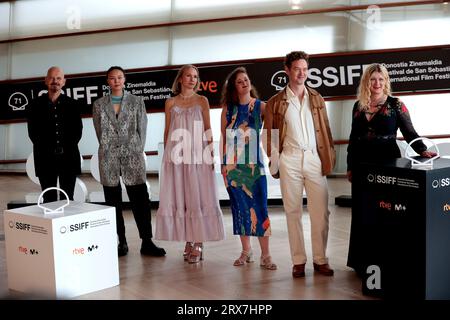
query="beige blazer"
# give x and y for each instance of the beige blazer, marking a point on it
(274, 119)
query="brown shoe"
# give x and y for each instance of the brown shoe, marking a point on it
(298, 270)
(324, 269)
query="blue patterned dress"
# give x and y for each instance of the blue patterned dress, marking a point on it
(245, 179)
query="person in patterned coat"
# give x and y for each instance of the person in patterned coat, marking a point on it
(120, 122)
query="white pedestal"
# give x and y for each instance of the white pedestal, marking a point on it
(61, 255)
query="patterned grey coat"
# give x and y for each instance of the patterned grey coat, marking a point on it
(121, 140)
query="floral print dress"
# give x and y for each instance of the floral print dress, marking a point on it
(245, 179)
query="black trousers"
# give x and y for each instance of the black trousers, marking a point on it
(66, 182)
(140, 206)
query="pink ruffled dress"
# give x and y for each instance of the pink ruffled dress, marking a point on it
(189, 207)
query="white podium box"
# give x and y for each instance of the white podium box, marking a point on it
(61, 255)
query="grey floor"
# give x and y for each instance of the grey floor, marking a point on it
(215, 278)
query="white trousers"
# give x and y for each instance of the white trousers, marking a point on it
(300, 169)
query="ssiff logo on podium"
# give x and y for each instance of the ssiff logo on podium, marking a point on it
(61, 255)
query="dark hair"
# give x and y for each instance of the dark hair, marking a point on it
(295, 55)
(229, 94)
(114, 68)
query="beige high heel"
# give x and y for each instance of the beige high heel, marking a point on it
(187, 250)
(196, 254)
(246, 256)
(266, 263)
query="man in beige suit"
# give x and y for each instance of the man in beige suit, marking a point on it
(302, 153)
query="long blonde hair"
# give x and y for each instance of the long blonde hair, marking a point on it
(364, 85)
(176, 86)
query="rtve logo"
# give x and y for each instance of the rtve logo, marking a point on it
(446, 207)
(207, 86)
(388, 206)
(82, 251)
(440, 183)
(377, 178)
(25, 250)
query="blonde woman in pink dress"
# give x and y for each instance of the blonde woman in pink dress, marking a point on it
(189, 209)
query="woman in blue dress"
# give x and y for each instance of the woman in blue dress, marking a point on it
(243, 167)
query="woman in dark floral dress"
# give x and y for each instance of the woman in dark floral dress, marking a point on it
(376, 118)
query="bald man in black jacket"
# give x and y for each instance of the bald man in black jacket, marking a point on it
(55, 128)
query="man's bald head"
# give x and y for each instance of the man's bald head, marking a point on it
(55, 79)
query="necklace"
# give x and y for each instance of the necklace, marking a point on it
(373, 112)
(377, 106)
(378, 103)
(186, 97)
(116, 99)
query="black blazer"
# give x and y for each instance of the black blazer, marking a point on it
(42, 132)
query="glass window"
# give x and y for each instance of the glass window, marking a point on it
(4, 20)
(211, 9)
(130, 49)
(65, 16)
(399, 27)
(251, 39)
(4, 61)
(428, 113)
